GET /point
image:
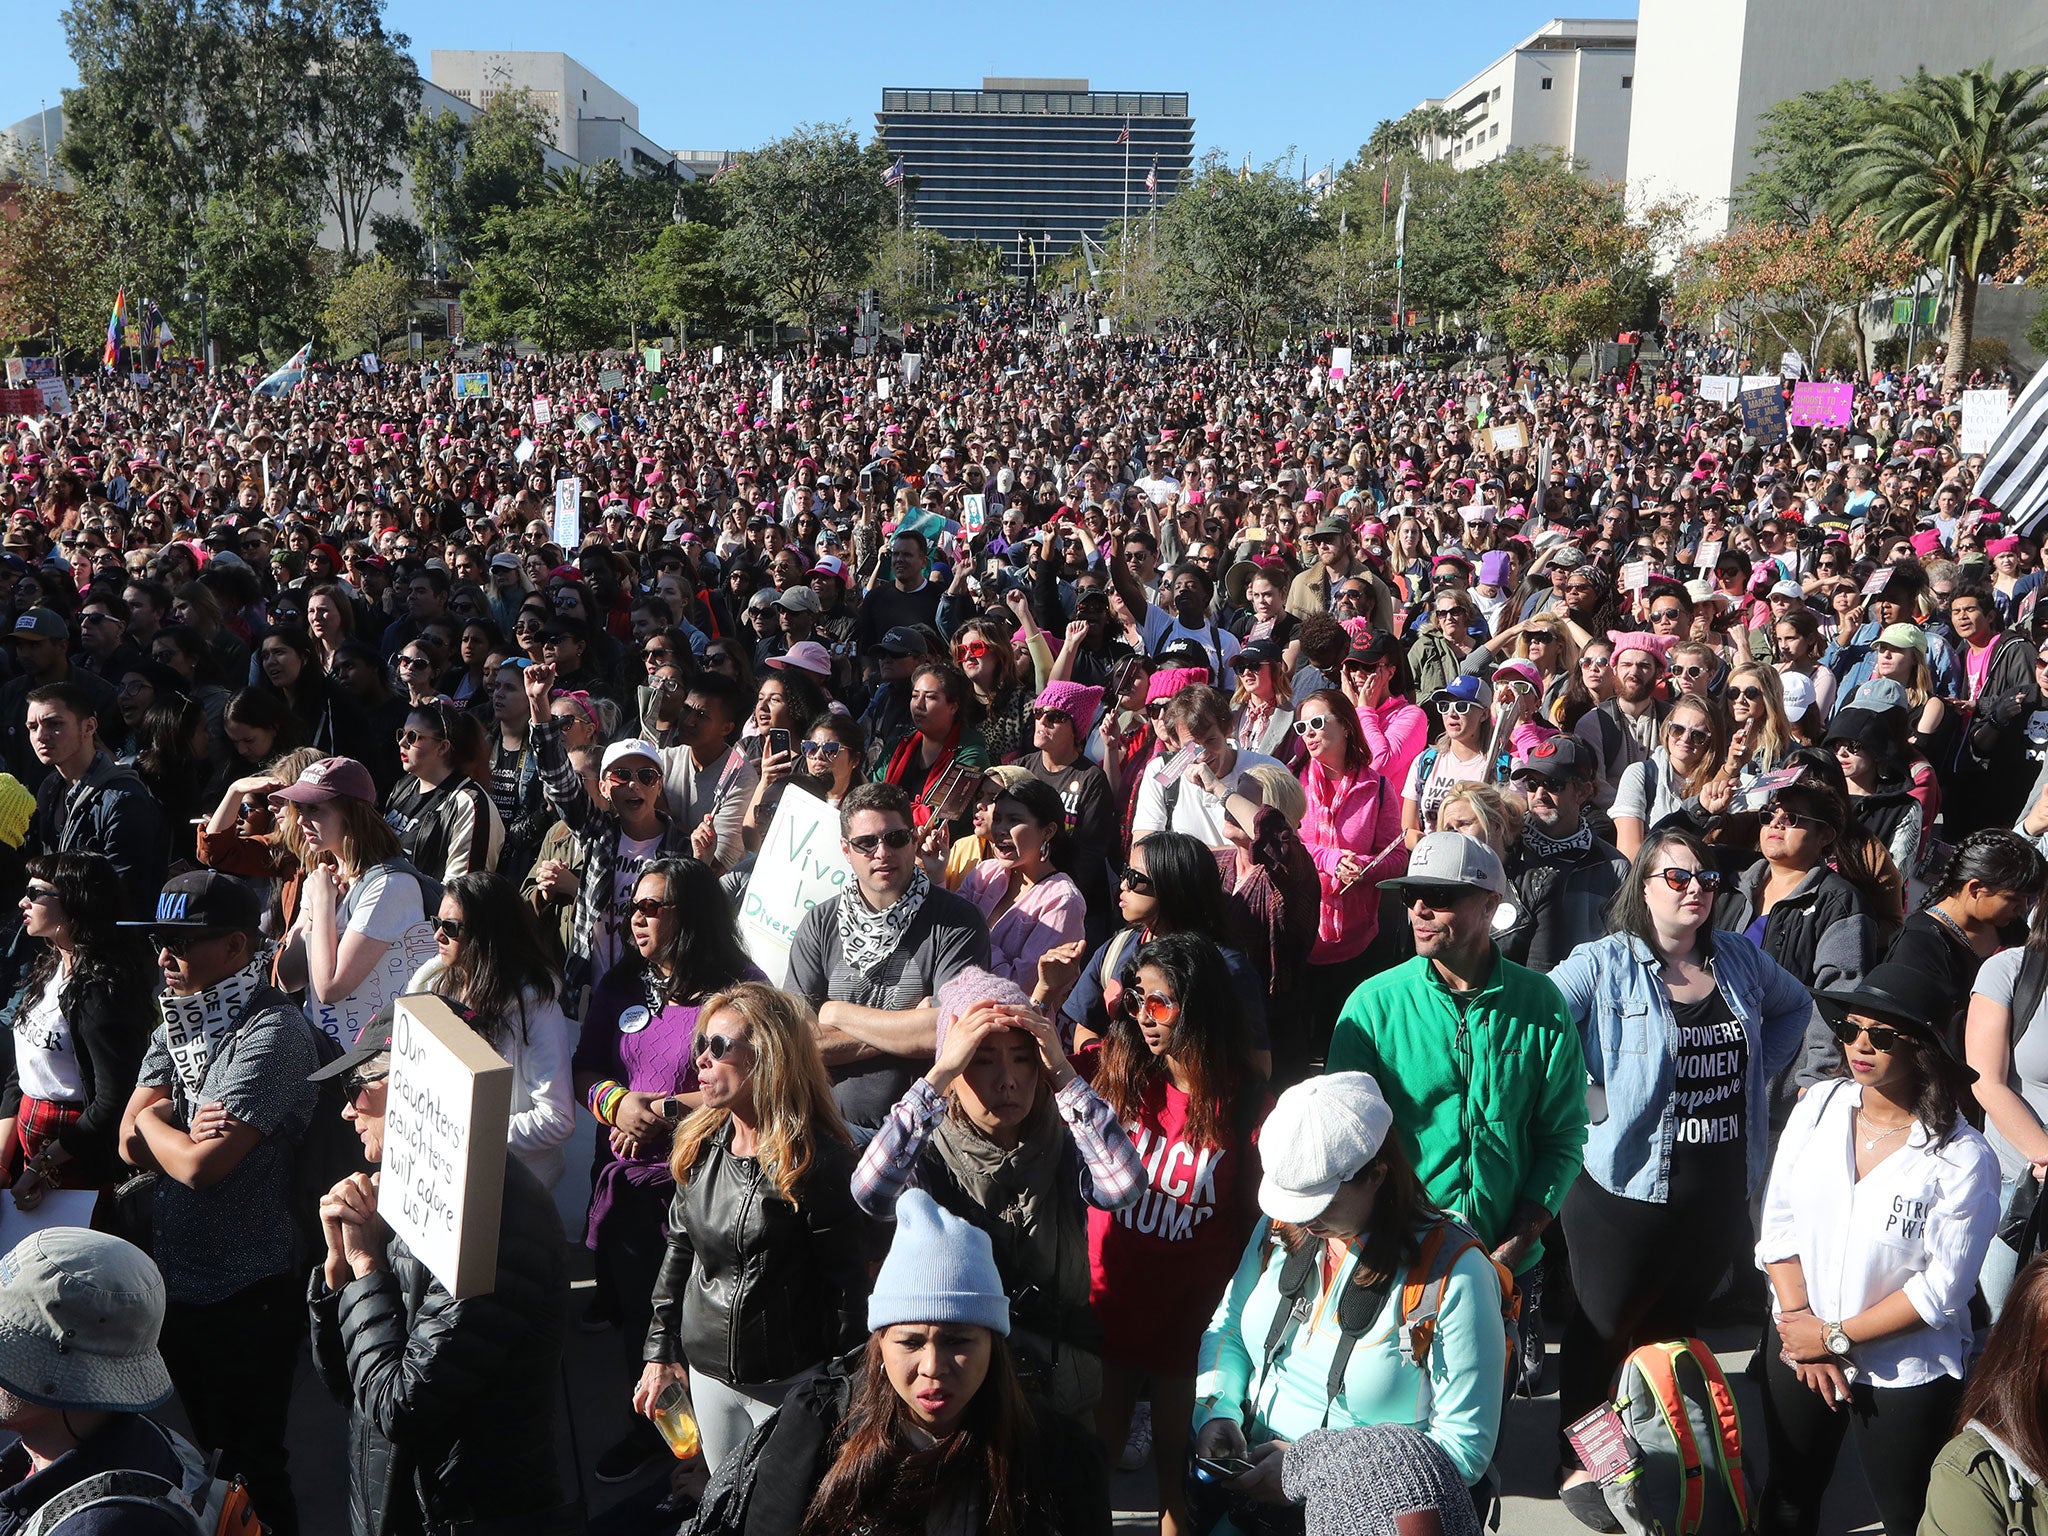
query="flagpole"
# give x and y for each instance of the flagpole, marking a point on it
(1124, 278)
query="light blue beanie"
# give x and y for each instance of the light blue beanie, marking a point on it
(940, 1269)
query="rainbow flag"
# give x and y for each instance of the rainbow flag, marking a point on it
(115, 322)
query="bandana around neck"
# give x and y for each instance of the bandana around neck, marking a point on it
(868, 937)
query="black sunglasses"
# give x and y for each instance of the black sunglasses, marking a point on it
(1883, 1037)
(646, 778)
(353, 1086)
(717, 1047)
(1681, 879)
(178, 945)
(1136, 881)
(867, 844)
(450, 928)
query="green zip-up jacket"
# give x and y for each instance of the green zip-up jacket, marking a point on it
(1488, 1087)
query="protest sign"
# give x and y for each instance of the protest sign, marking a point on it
(569, 512)
(882, 384)
(1763, 414)
(372, 363)
(800, 865)
(776, 393)
(1102, 327)
(139, 378)
(1340, 363)
(543, 410)
(1756, 381)
(441, 1184)
(21, 402)
(1984, 412)
(57, 1208)
(588, 421)
(56, 396)
(913, 368)
(1821, 405)
(1720, 387)
(1635, 575)
(651, 357)
(657, 391)
(973, 513)
(611, 380)
(1791, 366)
(472, 386)
(1707, 556)
(32, 370)
(525, 450)
(1508, 438)
(717, 356)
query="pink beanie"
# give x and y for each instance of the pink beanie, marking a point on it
(1655, 645)
(1926, 542)
(971, 986)
(1084, 703)
(1168, 681)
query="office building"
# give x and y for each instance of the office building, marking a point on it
(1707, 70)
(591, 122)
(1029, 165)
(1567, 86)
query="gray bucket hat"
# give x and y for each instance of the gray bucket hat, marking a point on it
(79, 1316)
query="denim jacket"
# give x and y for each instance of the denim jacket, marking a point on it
(1611, 987)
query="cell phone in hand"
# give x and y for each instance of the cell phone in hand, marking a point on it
(778, 739)
(1220, 1469)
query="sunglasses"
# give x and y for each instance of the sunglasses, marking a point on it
(412, 738)
(179, 945)
(1882, 1037)
(649, 907)
(868, 843)
(1777, 811)
(1448, 613)
(357, 1083)
(825, 749)
(1149, 1007)
(1673, 614)
(646, 778)
(452, 928)
(1750, 695)
(1692, 736)
(1314, 723)
(1136, 881)
(1697, 669)
(1052, 716)
(717, 1047)
(1459, 706)
(972, 652)
(39, 894)
(1682, 879)
(567, 717)
(1594, 661)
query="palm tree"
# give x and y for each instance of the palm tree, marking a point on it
(1429, 125)
(1388, 139)
(1946, 167)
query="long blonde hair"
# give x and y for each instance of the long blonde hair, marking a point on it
(366, 837)
(1774, 735)
(792, 1092)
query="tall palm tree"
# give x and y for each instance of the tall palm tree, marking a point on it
(1947, 166)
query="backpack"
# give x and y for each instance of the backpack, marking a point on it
(1675, 1405)
(209, 1505)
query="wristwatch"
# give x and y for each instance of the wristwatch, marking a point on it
(672, 1110)
(1837, 1341)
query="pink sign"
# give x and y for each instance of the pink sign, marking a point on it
(1821, 405)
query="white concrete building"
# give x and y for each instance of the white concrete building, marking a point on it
(1706, 71)
(592, 122)
(1568, 86)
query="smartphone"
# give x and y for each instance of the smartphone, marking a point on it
(1222, 1468)
(778, 739)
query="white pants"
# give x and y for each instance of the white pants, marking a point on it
(728, 1413)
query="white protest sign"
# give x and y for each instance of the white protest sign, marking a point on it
(57, 1208)
(1102, 327)
(56, 396)
(1720, 387)
(1635, 575)
(799, 866)
(371, 363)
(1751, 382)
(1508, 438)
(1340, 362)
(1792, 365)
(441, 1185)
(611, 380)
(525, 450)
(776, 393)
(717, 356)
(543, 410)
(973, 513)
(1984, 412)
(882, 383)
(1708, 555)
(913, 368)
(569, 512)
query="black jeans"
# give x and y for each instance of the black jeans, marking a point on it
(232, 1362)
(1899, 1431)
(1643, 1273)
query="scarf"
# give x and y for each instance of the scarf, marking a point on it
(904, 759)
(868, 937)
(196, 1026)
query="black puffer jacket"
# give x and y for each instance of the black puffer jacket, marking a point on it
(451, 1403)
(754, 1288)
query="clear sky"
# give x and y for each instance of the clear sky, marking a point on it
(1314, 75)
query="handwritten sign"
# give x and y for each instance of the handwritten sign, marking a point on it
(543, 410)
(1821, 405)
(1984, 414)
(611, 380)
(569, 512)
(882, 387)
(1635, 575)
(1508, 438)
(1722, 388)
(800, 865)
(472, 386)
(442, 1183)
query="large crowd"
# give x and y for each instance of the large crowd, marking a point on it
(1354, 876)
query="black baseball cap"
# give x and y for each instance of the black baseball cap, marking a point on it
(1372, 649)
(204, 900)
(1559, 759)
(1256, 653)
(903, 640)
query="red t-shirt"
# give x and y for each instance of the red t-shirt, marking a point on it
(1158, 1268)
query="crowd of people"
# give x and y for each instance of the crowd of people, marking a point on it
(1349, 880)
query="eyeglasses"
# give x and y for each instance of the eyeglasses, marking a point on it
(1882, 1037)
(717, 1047)
(868, 843)
(1448, 613)
(40, 894)
(179, 945)
(1314, 723)
(646, 778)
(1149, 1007)
(1052, 716)
(98, 618)
(1682, 879)
(1673, 614)
(825, 749)
(1691, 735)
(1777, 811)
(451, 928)
(1749, 695)
(356, 1084)
(1594, 661)
(972, 652)
(649, 907)
(1136, 881)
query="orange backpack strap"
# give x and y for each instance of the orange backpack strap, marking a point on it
(1422, 1293)
(1727, 1423)
(1657, 1365)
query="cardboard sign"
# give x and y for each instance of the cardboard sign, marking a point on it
(800, 865)
(569, 512)
(441, 1185)
(1763, 414)
(1635, 576)
(1822, 405)
(588, 421)
(543, 410)
(1756, 381)
(1878, 580)
(472, 386)
(1722, 388)
(1507, 439)
(1984, 414)
(1707, 556)
(611, 380)
(882, 384)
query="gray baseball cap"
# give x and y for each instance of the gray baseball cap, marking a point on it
(1448, 860)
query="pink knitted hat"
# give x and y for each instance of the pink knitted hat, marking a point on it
(1168, 681)
(1656, 645)
(1084, 703)
(972, 986)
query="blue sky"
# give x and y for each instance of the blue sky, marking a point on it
(1313, 74)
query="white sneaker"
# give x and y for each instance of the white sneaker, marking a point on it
(1137, 1449)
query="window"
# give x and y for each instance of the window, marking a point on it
(1628, 82)
(1495, 133)
(1546, 82)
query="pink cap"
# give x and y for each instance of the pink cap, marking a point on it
(331, 778)
(805, 656)
(1926, 542)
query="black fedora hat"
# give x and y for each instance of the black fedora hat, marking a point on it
(1903, 996)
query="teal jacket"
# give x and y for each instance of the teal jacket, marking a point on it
(1488, 1089)
(1452, 1395)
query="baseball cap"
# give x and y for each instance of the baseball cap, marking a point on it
(1558, 759)
(1450, 860)
(830, 565)
(1878, 695)
(903, 640)
(1902, 637)
(800, 600)
(805, 656)
(1318, 1134)
(504, 560)
(619, 751)
(41, 624)
(1371, 649)
(1330, 528)
(1798, 688)
(374, 1041)
(1464, 689)
(331, 778)
(1256, 653)
(205, 899)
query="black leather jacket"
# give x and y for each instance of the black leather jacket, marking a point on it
(452, 1403)
(754, 1288)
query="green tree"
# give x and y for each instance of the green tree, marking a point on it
(368, 93)
(504, 164)
(54, 282)
(263, 271)
(1948, 167)
(1235, 247)
(684, 281)
(434, 146)
(400, 242)
(1426, 127)
(1801, 154)
(367, 306)
(911, 273)
(540, 276)
(805, 215)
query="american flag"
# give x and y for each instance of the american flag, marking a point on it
(1152, 179)
(1123, 135)
(893, 177)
